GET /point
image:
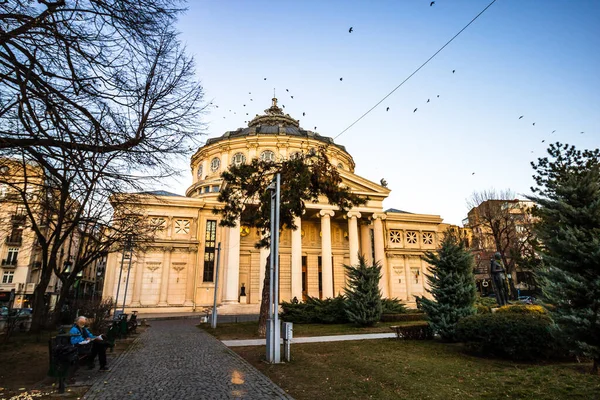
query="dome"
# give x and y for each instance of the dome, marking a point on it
(274, 122)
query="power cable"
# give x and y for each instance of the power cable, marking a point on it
(417, 70)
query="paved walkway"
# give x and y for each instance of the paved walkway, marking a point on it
(175, 360)
(312, 339)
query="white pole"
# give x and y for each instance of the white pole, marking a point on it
(213, 321)
(275, 285)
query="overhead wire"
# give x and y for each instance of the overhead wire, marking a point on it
(417, 70)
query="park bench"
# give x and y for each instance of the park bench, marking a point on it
(64, 359)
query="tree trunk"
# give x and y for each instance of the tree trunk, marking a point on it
(60, 302)
(264, 302)
(38, 316)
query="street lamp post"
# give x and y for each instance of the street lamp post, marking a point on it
(273, 328)
(127, 248)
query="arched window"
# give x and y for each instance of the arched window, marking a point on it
(238, 159)
(215, 164)
(200, 170)
(267, 155)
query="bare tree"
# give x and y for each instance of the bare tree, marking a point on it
(97, 99)
(501, 223)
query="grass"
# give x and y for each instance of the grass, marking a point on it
(397, 369)
(248, 330)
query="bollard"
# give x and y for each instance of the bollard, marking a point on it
(288, 329)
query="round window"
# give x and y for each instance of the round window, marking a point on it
(267, 155)
(238, 159)
(214, 164)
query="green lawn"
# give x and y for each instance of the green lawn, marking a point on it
(248, 330)
(397, 369)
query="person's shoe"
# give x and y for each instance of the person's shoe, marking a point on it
(105, 368)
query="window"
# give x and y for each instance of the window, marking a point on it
(206, 189)
(8, 276)
(210, 239)
(411, 237)
(395, 236)
(200, 170)
(427, 238)
(215, 164)
(238, 159)
(340, 166)
(13, 253)
(215, 189)
(267, 155)
(3, 190)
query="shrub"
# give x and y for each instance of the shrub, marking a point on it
(403, 317)
(481, 309)
(392, 306)
(98, 312)
(486, 301)
(522, 309)
(414, 332)
(314, 311)
(506, 334)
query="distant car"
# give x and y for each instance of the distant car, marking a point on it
(526, 299)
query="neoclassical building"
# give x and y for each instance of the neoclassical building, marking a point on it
(178, 272)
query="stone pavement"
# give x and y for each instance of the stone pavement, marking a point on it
(175, 360)
(312, 339)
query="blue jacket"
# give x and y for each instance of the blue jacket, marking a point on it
(77, 337)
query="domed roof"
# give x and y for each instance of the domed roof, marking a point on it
(274, 122)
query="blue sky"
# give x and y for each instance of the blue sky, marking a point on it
(539, 59)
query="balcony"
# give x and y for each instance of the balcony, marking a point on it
(7, 287)
(18, 218)
(9, 263)
(14, 241)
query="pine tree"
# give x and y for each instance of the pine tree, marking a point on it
(363, 306)
(568, 208)
(451, 284)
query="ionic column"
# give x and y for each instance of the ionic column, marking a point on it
(378, 238)
(191, 272)
(232, 272)
(297, 259)
(365, 243)
(326, 265)
(408, 277)
(137, 281)
(353, 236)
(164, 280)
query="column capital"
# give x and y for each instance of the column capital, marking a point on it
(324, 213)
(353, 214)
(380, 216)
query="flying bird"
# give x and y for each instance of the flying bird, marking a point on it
(534, 124)
(246, 113)
(350, 30)
(286, 90)
(265, 79)
(432, 3)
(303, 114)
(473, 173)
(283, 105)
(521, 116)
(251, 100)
(315, 128)
(428, 100)
(249, 92)
(244, 105)
(387, 109)
(415, 110)
(383, 182)
(581, 133)
(453, 71)
(438, 95)
(341, 79)
(292, 97)
(553, 131)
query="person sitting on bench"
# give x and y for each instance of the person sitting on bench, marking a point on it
(81, 336)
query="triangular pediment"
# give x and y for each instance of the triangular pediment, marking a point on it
(362, 186)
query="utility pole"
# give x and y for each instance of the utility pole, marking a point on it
(213, 319)
(273, 328)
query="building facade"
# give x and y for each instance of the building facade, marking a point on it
(179, 270)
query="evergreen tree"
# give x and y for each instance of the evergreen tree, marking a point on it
(363, 305)
(451, 284)
(568, 211)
